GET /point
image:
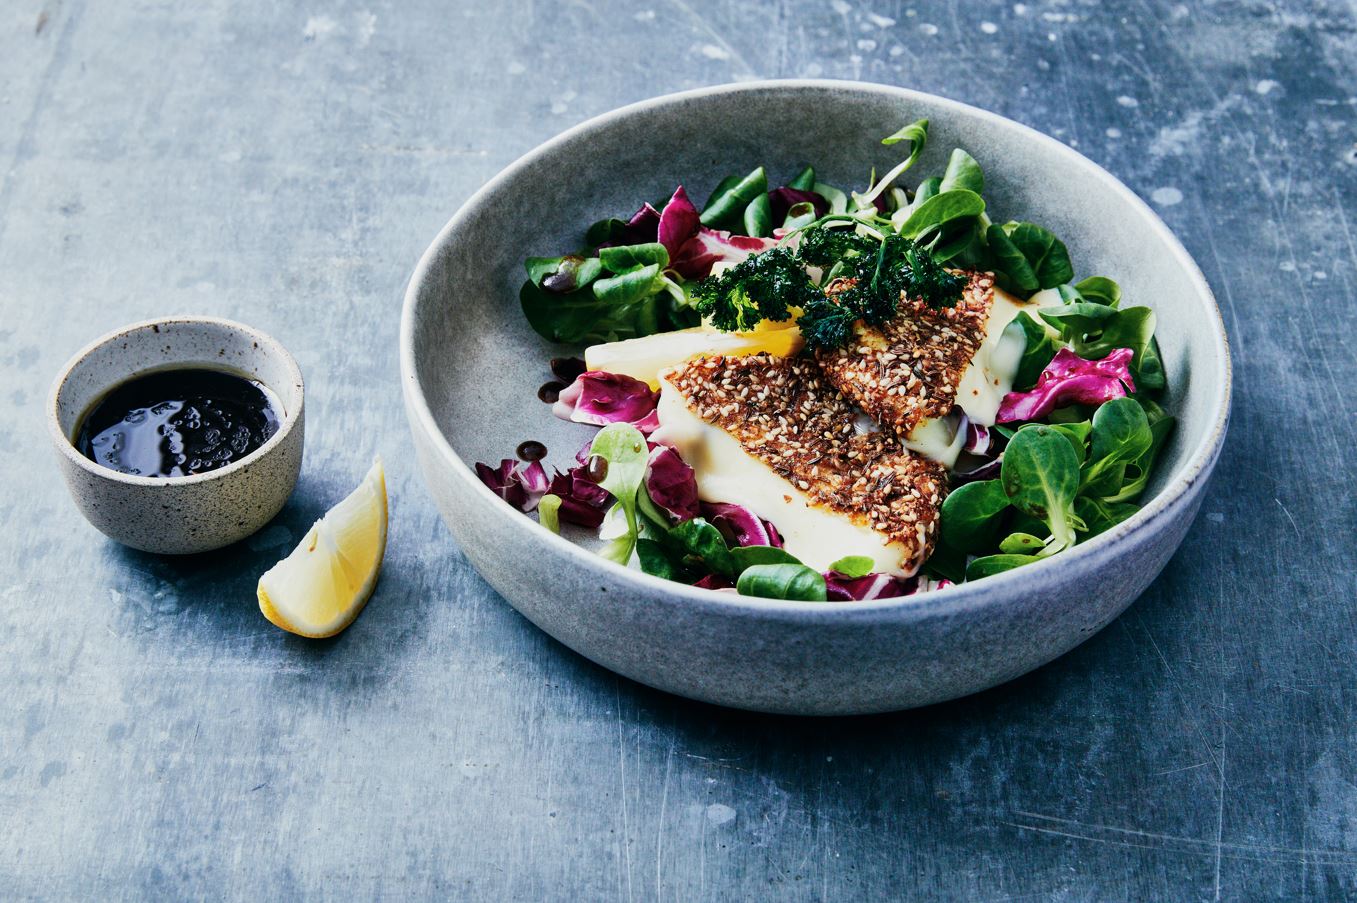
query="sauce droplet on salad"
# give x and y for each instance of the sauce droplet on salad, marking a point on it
(567, 369)
(550, 391)
(531, 451)
(176, 423)
(597, 469)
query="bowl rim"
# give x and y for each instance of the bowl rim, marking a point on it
(1093, 553)
(271, 346)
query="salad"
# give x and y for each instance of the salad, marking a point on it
(810, 393)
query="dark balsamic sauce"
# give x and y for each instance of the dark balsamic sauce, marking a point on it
(176, 423)
(567, 369)
(531, 451)
(550, 391)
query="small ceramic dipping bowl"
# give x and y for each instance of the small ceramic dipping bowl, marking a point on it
(179, 515)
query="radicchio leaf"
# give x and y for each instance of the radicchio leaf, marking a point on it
(583, 501)
(716, 582)
(781, 200)
(671, 483)
(600, 398)
(696, 256)
(678, 222)
(643, 227)
(521, 485)
(1069, 379)
(740, 526)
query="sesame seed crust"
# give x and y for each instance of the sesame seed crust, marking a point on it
(783, 412)
(907, 370)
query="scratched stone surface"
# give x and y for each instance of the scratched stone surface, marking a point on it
(286, 166)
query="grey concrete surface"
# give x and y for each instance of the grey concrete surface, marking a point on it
(286, 164)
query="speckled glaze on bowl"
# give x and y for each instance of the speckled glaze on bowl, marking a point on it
(179, 515)
(471, 366)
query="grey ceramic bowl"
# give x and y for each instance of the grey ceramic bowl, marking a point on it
(179, 515)
(471, 366)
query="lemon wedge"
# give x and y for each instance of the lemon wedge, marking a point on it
(644, 358)
(321, 587)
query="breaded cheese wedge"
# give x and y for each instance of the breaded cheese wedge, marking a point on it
(773, 435)
(911, 372)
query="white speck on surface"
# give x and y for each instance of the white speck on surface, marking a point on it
(1181, 11)
(1051, 36)
(897, 50)
(1113, 132)
(1127, 101)
(367, 27)
(928, 28)
(269, 538)
(1321, 275)
(1020, 9)
(988, 27)
(867, 45)
(1044, 65)
(712, 52)
(561, 103)
(880, 21)
(645, 15)
(1287, 266)
(1166, 196)
(1215, 517)
(318, 27)
(1266, 86)
(517, 68)
(720, 814)
(814, 70)
(840, 7)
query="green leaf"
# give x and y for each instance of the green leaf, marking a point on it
(783, 581)
(1138, 471)
(1040, 474)
(758, 217)
(1010, 262)
(804, 181)
(1129, 327)
(1150, 376)
(630, 258)
(838, 201)
(1021, 544)
(547, 512)
(1099, 290)
(997, 564)
(962, 172)
(916, 133)
(970, 515)
(1120, 430)
(560, 275)
(624, 448)
(1038, 350)
(604, 230)
(799, 216)
(749, 556)
(1074, 321)
(629, 287)
(1100, 515)
(946, 562)
(656, 560)
(942, 209)
(1077, 433)
(1045, 254)
(702, 547)
(853, 566)
(727, 203)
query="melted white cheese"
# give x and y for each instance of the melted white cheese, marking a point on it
(725, 472)
(985, 381)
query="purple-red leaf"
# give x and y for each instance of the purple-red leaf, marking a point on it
(698, 254)
(741, 526)
(671, 483)
(678, 222)
(600, 398)
(781, 200)
(1069, 379)
(521, 485)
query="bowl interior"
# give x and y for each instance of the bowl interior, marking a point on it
(479, 365)
(174, 343)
